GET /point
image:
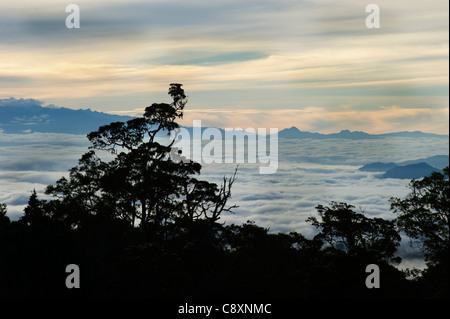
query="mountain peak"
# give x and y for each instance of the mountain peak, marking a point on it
(28, 115)
(417, 170)
(295, 133)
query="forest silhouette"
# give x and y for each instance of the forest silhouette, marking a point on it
(142, 225)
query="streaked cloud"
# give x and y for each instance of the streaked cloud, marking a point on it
(384, 120)
(269, 56)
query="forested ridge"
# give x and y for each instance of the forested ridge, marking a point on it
(145, 225)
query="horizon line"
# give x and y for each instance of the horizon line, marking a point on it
(133, 114)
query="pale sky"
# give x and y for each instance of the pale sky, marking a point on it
(310, 64)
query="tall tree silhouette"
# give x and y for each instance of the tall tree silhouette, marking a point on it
(142, 164)
(34, 212)
(423, 214)
(343, 228)
(143, 181)
(4, 220)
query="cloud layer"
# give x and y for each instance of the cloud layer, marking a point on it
(310, 172)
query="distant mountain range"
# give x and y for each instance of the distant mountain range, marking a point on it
(295, 133)
(28, 115)
(409, 169)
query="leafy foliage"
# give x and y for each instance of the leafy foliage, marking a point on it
(141, 182)
(341, 227)
(424, 214)
(4, 220)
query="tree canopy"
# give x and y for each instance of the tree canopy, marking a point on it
(423, 214)
(341, 227)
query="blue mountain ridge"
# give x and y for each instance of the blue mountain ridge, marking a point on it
(18, 116)
(409, 169)
(295, 133)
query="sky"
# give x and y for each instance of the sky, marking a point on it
(310, 64)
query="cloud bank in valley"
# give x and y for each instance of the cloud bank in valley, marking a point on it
(33, 161)
(310, 172)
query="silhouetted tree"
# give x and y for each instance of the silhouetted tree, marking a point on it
(79, 195)
(423, 214)
(343, 228)
(4, 220)
(206, 200)
(34, 212)
(142, 181)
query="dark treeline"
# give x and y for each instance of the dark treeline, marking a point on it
(144, 225)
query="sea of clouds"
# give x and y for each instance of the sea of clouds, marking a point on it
(310, 172)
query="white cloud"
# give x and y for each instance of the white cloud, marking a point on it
(315, 172)
(310, 172)
(41, 151)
